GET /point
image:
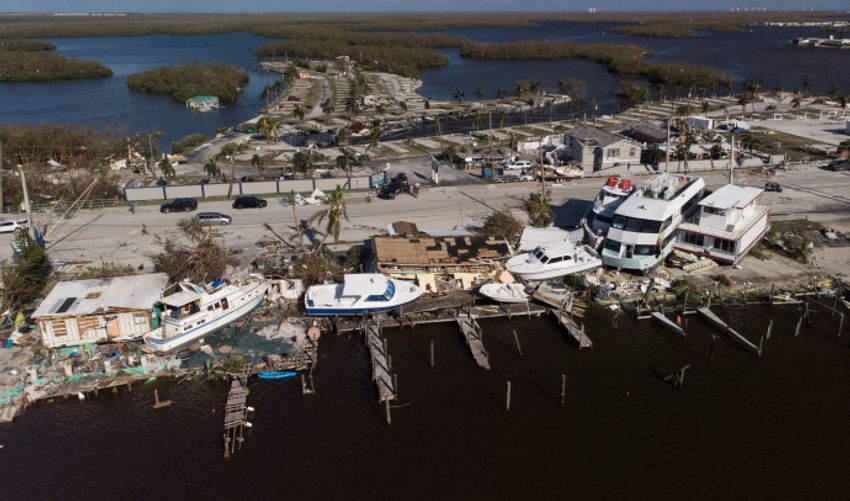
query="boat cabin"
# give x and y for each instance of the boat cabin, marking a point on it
(727, 225)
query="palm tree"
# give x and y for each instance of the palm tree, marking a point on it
(342, 163)
(292, 200)
(500, 116)
(458, 95)
(327, 107)
(299, 112)
(302, 162)
(342, 136)
(211, 168)
(540, 214)
(167, 169)
(449, 153)
(519, 88)
(834, 90)
(257, 162)
(500, 93)
(479, 92)
(375, 134)
(534, 86)
(743, 101)
(403, 105)
(795, 102)
(705, 107)
(352, 104)
(334, 214)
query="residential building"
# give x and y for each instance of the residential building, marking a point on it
(727, 225)
(647, 133)
(596, 149)
(100, 310)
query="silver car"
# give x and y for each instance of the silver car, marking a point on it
(213, 219)
(10, 225)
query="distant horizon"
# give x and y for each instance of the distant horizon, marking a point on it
(71, 13)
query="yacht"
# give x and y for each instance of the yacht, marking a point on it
(552, 261)
(643, 231)
(616, 190)
(360, 294)
(190, 311)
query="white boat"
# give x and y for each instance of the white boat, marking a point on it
(505, 293)
(552, 261)
(360, 294)
(192, 311)
(613, 193)
(569, 172)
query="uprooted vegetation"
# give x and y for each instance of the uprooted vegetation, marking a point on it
(793, 239)
(25, 280)
(198, 254)
(502, 224)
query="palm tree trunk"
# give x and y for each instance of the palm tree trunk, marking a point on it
(298, 230)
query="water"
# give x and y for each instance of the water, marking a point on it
(108, 101)
(761, 53)
(740, 428)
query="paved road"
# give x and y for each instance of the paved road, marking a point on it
(114, 234)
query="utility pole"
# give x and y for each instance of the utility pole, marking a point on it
(667, 149)
(27, 203)
(1, 177)
(732, 161)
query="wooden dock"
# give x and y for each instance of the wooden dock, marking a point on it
(668, 324)
(573, 329)
(472, 332)
(235, 415)
(380, 364)
(723, 326)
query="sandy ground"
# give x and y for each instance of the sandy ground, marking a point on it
(115, 234)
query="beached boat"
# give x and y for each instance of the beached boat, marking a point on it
(191, 311)
(552, 261)
(505, 293)
(360, 294)
(615, 191)
(276, 375)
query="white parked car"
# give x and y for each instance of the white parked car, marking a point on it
(517, 165)
(10, 225)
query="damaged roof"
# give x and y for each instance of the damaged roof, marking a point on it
(602, 137)
(87, 297)
(428, 250)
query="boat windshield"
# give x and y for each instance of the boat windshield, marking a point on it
(538, 253)
(386, 296)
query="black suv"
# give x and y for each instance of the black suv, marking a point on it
(249, 202)
(179, 205)
(398, 184)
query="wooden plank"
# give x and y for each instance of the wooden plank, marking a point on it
(720, 324)
(380, 366)
(668, 324)
(471, 331)
(573, 329)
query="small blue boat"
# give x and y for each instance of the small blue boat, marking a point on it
(276, 375)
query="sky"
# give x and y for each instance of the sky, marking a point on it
(402, 5)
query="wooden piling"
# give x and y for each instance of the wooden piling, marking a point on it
(395, 384)
(761, 345)
(432, 353)
(799, 324)
(518, 347)
(769, 329)
(711, 351)
(389, 417)
(508, 397)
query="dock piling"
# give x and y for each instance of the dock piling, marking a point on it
(799, 324)
(563, 388)
(508, 397)
(389, 417)
(516, 339)
(769, 329)
(432, 353)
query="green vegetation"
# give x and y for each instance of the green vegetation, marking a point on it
(620, 59)
(72, 145)
(333, 215)
(634, 92)
(187, 143)
(401, 60)
(26, 45)
(24, 281)
(39, 65)
(182, 82)
(502, 224)
(540, 213)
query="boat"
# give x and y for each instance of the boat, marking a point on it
(643, 231)
(504, 293)
(276, 375)
(187, 311)
(552, 261)
(616, 190)
(569, 172)
(360, 294)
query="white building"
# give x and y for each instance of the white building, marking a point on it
(94, 311)
(729, 223)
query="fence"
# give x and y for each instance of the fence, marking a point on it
(279, 186)
(63, 205)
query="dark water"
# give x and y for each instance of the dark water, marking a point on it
(108, 101)
(761, 54)
(740, 428)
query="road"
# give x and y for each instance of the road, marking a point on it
(115, 235)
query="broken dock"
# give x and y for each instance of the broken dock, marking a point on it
(572, 327)
(380, 361)
(473, 334)
(235, 415)
(723, 326)
(668, 324)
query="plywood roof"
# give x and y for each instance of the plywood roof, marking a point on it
(439, 250)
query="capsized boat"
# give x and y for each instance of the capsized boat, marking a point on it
(276, 375)
(552, 261)
(360, 294)
(505, 293)
(191, 311)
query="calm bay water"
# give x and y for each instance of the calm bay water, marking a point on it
(740, 428)
(761, 54)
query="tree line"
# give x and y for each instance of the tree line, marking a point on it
(193, 79)
(32, 61)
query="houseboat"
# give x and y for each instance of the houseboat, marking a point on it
(616, 190)
(360, 294)
(643, 230)
(727, 225)
(187, 312)
(552, 261)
